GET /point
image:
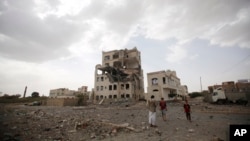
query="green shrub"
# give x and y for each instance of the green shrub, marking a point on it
(195, 94)
(172, 95)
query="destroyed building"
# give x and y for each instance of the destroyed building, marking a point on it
(163, 84)
(119, 76)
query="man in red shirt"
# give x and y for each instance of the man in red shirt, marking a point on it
(163, 108)
(187, 110)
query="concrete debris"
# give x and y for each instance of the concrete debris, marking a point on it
(190, 130)
(112, 122)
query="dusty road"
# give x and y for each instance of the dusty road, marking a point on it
(119, 122)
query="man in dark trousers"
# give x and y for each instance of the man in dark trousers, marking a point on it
(163, 108)
(187, 110)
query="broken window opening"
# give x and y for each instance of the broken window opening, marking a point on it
(106, 57)
(127, 86)
(110, 87)
(122, 86)
(127, 95)
(115, 87)
(99, 72)
(155, 90)
(122, 96)
(164, 80)
(110, 96)
(115, 96)
(154, 81)
(101, 96)
(97, 97)
(101, 78)
(115, 56)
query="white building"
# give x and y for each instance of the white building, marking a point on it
(163, 84)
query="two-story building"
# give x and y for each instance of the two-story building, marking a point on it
(163, 84)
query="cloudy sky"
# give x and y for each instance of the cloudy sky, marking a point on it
(48, 44)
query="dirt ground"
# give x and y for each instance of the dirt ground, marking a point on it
(119, 122)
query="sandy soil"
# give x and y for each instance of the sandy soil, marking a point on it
(119, 122)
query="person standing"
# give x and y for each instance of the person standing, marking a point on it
(163, 108)
(187, 110)
(152, 104)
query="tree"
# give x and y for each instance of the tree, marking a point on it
(35, 94)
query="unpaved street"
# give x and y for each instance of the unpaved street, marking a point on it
(119, 122)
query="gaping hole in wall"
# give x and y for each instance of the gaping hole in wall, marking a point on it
(117, 64)
(99, 72)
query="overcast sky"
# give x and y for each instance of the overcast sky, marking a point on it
(49, 44)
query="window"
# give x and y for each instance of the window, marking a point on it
(154, 81)
(101, 88)
(122, 86)
(106, 58)
(97, 88)
(110, 96)
(127, 86)
(115, 96)
(127, 95)
(97, 79)
(215, 93)
(110, 87)
(122, 96)
(115, 56)
(101, 78)
(155, 90)
(115, 87)
(164, 80)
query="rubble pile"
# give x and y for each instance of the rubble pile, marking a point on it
(124, 121)
(70, 123)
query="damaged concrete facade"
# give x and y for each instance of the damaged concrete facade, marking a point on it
(163, 83)
(119, 76)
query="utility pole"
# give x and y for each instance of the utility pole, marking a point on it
(24, 91)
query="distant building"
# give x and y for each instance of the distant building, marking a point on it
(163, 84)
(61, 92)
(119, 76)
(242, 85)
(66, 93)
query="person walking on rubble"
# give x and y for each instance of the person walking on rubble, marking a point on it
(187, 110)
(152, 104)
(163, 108)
